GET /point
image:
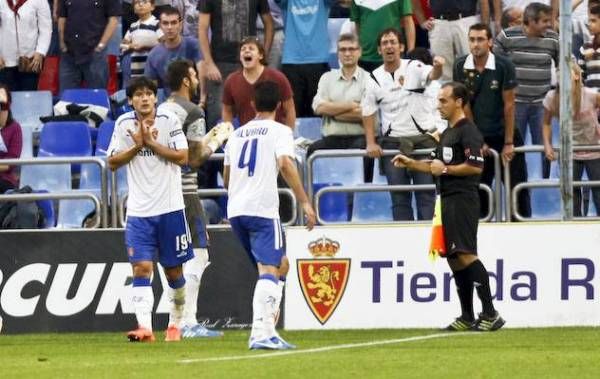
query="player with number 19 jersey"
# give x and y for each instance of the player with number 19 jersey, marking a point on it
(251, 153)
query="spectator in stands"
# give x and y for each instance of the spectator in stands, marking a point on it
(512, 16)
(491, 82)
(449, 25)
(238, 92)
(11, 141)
(276, 50)
(585, 104)
(305, 48)
(25, 32)
(173, 46)
(591, 57)
(384, 94)
(522, 4)
(338, 100)
(84, 29)
(230, 21)
(421, 16)
(372, 17)
(141, 37)
(531, 47)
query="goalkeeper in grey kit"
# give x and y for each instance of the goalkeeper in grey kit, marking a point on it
(183, 82)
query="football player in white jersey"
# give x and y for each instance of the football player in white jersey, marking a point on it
(254, 155)
(152, 145)
(183, 82)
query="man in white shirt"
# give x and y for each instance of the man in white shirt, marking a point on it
(398, 130)
(153, 146)
(254, 155)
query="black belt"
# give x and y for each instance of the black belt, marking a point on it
(452, 16)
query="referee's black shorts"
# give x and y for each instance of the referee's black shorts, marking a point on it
(460, 217)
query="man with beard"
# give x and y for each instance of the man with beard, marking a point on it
(183, 82)
(492, 83)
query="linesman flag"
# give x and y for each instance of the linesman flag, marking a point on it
(437, 247)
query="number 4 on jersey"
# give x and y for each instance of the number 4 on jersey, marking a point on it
(251, 163)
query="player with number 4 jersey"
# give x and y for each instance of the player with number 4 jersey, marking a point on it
(254, 155)
(153, 146)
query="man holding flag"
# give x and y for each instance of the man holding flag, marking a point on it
(458, 164)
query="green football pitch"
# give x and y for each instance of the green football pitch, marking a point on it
(508, 353)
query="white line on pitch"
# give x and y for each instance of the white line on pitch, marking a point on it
(324, 348)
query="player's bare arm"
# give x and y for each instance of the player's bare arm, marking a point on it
(288, 171)
(401, 160)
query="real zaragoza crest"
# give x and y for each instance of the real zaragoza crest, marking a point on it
(323, 279)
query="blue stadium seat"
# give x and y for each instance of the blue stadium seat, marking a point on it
(332, 206)
(105, 132)
(372, 206)
(65, 139)
(47, 207)
(28, 106)
(27, 149)
(52, 178)
(545, 203)
(87, 96)
(378, 175)
(308, 127)
(343, 170)
(72, 213)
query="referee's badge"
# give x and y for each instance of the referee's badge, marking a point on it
(447, 154)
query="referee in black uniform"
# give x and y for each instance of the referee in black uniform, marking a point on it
(458, 163)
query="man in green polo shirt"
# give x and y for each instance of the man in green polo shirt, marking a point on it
(372, 17)
(491, 82)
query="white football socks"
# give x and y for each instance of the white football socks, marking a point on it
(142, 298)
(177, 302)
(192, 271)
(267, 295)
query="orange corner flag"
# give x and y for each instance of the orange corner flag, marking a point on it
(438, 243)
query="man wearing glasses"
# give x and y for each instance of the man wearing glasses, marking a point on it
(174, 46)
(338, 100)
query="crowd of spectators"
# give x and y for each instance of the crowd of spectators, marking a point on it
(392, 57)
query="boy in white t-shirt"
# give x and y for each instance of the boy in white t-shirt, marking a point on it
(142, 36)
(254, 155)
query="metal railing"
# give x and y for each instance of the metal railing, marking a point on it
(103, 205)
(494, 205)
(389, 188)
(511, 198)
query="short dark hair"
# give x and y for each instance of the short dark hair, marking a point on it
(138, 83)
(256, 42)
(169, 11)
(393, 31)
(348, 37)
(421, 54)
(480, 26)
(534, 11)
(177, 71)
(266, 96)
(135, 1)
(595, 10)
(6, 89)
(459, 91)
